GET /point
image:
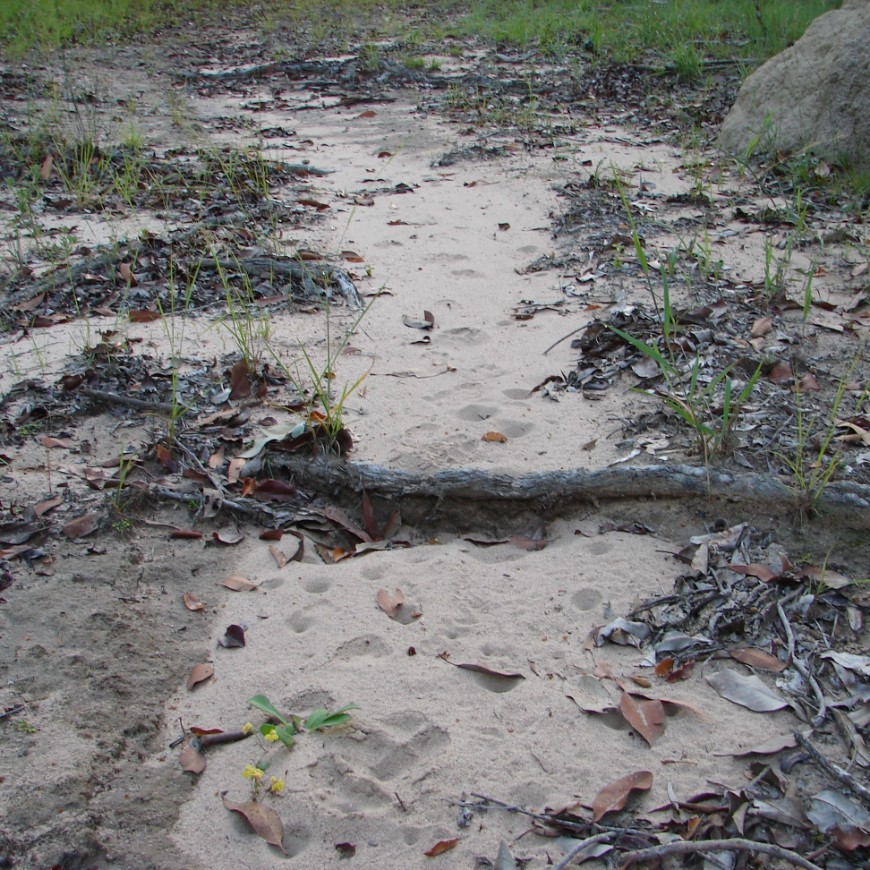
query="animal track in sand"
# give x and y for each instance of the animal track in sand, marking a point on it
(300, 621)
(463, 335)
(364, 645)
(586, 599)
(396, 757)
(517, 395)
(599, 548)
(316, 585)
(476, 413)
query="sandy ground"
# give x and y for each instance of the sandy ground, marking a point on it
(98, 647)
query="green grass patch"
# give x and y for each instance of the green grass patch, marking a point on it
(681, 32)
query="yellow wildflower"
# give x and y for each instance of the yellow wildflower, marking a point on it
(276, 785)
(251, 772)
(247, 728)
(272, 736)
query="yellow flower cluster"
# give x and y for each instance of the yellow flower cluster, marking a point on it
(272, 736)
(276, 785)
(247, 728)
(251, 772)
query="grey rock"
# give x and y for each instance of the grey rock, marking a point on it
(814, 97)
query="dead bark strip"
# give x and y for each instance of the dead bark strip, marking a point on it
(554, 487)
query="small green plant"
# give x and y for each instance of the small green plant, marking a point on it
(811, 466)
(22, 726)
(325, 407)
(285, 728)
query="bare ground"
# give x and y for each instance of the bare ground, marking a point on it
(453, 192)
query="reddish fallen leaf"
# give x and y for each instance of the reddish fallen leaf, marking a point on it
(480, 669)
(613, 797)
(272, 535)
(368, 113)
(495, 437)
(199, 674)
(524, 542)
(126, 274)
(191, 602)
(264, 821)
(280, 557)
(49, 504)
(239, 584)
(144, 315)
(337, 515)
(757, 658)
(441, 847)
(166, 459)
(240, 382)
(308, 256)
(390, 602)
(228, 539)
(756, 569)
(345, 850)
(191, 760)
(274, 490)
(234, 637)
(683, 672)
(352, 257)
(82, 526)
(809, 383)
(369, 517)
(313, 203)
(48, 442)
(849, 839)
(383, 154)
(191, 534)
(646, 716)
(664, 667)
(780, 374)
(202, 732)
(761, 327)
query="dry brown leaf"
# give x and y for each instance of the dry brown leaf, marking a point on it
(495, 437)
(390, 602)
(126, 274)
(756, 569)
(48, 442)
(229, 539)
(192, 534)
(645, 715)
(613, 797)
(761, 327)
(49, 504)
(199, 674)
(191, 602)
(239, 584)
(191, 760)
(47, 166)
(264, 821)
(524, 542)
(441, 847)
(82, 526)
(280, 557)
(757, 658)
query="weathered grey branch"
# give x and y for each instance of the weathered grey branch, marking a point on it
(648, 481)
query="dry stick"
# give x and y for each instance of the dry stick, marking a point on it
(694, 847)
(581, 846)
(128, 401)
(801, 667)
(837, 772)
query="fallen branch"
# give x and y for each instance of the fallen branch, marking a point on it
(552, 487)
(837, 772)
(697, 847)
(131, 402)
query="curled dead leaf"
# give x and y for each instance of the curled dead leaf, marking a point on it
(199, 674)
(264, 821)
(390, 602)
(82, 526)
(191, 602)
(239, 584)
(613, 797)
(441, 847)
(495, 437)
(645, 715)
(191, 760)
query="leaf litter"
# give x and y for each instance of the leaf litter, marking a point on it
(706, 615)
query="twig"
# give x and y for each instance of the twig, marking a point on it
(541, 817)
(129, 401)
(801, 667)
(695, 847)
(206, 740)
(7, 713)
(572, 332)
(837, 772)
(581, 846)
